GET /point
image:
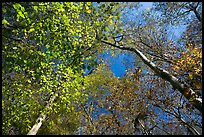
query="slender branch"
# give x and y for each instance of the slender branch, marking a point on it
(88, 115)
(192, 129)
(197, 14)
(145, 43)
(183, 13)
(179, 106)
(161, 59)
(143, 127)
(104, 130)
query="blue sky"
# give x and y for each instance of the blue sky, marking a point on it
(116, 63)
(146, 5)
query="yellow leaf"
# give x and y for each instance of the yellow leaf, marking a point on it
(170, 42)
(29, 81)
(198, 85)
(88, 11)
(190, 76)
(89, 3)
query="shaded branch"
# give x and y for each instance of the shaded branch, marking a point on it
(192, 129)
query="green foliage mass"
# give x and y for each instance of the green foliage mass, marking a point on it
(42, 54)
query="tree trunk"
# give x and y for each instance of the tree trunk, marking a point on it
(184, 89)
(41, 118)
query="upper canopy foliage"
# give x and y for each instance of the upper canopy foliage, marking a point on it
(47, 46)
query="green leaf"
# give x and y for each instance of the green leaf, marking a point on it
(5, 22)
(16, 6)
(21, 14)
(103, 6)
(35, 8)
(47, 52)
(112, 4)
(29, 81)
(31, 30)
(107, 29)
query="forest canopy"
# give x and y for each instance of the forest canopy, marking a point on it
(57, 76)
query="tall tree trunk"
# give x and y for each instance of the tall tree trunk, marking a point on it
(42, 117)
(184, 89)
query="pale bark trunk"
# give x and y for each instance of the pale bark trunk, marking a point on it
(192, 96)
(41, 118)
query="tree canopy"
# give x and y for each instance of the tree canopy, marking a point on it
(55, 81)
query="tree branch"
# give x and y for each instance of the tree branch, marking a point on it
(192, 129)
(184, 89)
(196, 13)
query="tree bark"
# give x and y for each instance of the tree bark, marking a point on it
(41, 118)
(193, 97)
